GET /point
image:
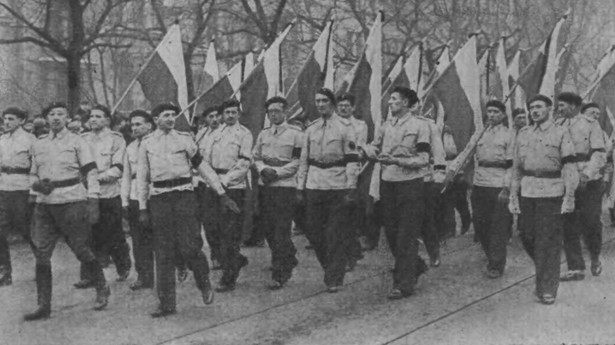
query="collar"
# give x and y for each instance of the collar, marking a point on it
(544, 126)
(281, 127)
(402, 119)
(60, 135)
(103, 133)
(17, 132)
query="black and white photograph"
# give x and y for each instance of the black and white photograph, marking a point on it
(305, 172)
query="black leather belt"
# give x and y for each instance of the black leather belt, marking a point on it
(582, 157)
(65, 183)
(173, 183)
(17, 171)
(322, 165)
(221, 171)
(542, 174)
(275, 162)
(494, 164)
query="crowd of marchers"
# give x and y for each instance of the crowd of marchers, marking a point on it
(62, 177)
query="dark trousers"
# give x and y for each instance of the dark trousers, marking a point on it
(108, 236)
(584, 222)
(541, 232)
(14, 218)
(491, 224)
(277, 205)
(429, 232)
(329, 232)
(142, 245)
(68, 221)
(402, 213)
(373, 221)
(456, 197)
(231, 227)
(176, 228)
(209, 214)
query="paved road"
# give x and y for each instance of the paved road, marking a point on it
(455, 304)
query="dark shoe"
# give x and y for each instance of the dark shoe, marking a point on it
(208, 295)
(123, 276)
(396, 294)
(182, 274)
(163, 312)
(84, 284)
(43, 312)
(102, 297)
(572, 276)
(215, 265)
(547, 299)
(222, 288)
(493, 274)
(596, 268)
(309, 247)
(140, 285)
(333, 289)
(6, 280)
(254, 243)
(275, 285)
(434, 262)
(244, 262)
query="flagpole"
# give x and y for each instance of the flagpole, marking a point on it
(133, 81)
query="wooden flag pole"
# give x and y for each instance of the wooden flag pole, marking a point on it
(133, 81)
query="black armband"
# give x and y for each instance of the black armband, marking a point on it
(596, 150)
(351, 158)
(569, 159)
(119, 166)
(244, 157)
(423, 147)
(87, 168)
(508, 164)
(196, 160)
(439, 167)
(609, 159)
(296, 152)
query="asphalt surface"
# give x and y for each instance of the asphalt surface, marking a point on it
(454, 304)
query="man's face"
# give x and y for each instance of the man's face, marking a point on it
(212, 120)
(539, 111)
(98, 120)
(12, 122)
(166, 120)
(323, 104)
(57, 118)
(139, 127)
(276, 113)
(345, 109)
(593, 113)
(520, 120)
(494, 116)
(396, 103)
(565, 109)
(231, 115)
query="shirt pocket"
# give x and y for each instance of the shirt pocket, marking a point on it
(67, 158)
(285, 147)
(552, 154)
(105, 156)
(333, 149)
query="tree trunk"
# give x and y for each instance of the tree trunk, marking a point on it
(73, 62)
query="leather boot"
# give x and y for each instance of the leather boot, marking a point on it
(43, 287)
(102, 289)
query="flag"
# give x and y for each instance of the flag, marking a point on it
(396, 77)
(365, 80)
(222, 89)
(264, 82)
(501, 90)
(540, 75)
(458, 91)
(163, 79)
(601, 91)
(315, 73)
(210, 70)
(414, 70)
(518, 96)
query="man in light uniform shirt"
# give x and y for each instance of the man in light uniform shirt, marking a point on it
(585, 222)
(64, 207)
(276, 157)
(108, 237)
(15, 161)
(141, 124)
(166, 158)
(231, 157)
(545, 177)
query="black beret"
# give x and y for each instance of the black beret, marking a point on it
(496, 104)
(570, 98)
(542, 98)
(160, 108)
(589, 105)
